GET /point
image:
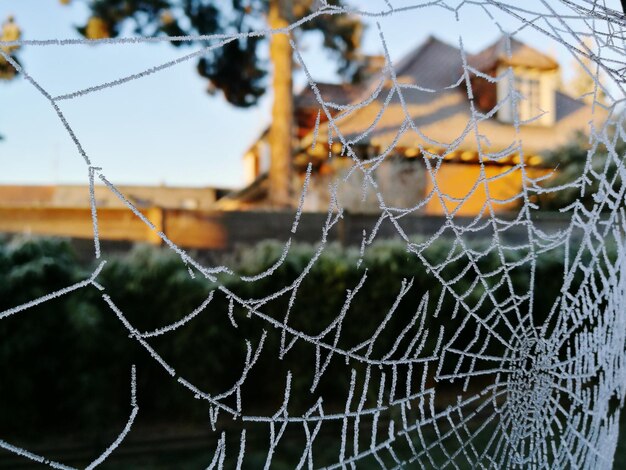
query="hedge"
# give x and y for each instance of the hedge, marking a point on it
(65, 364)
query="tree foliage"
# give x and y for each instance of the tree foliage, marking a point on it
(10, 32)
(582, 173)
(588, 81)
(238, 68)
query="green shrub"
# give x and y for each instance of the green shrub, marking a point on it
(67, 361)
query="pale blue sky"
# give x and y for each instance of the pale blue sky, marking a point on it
(164, 128)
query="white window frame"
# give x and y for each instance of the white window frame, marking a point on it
(529, 101)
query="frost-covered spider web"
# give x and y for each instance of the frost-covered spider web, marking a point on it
(474, 377)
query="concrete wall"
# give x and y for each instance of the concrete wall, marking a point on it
(400, 181)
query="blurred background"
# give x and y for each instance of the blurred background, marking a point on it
(215, 150)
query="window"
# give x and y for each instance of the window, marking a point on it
(529, 103)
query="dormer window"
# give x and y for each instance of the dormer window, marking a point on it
(516, 66)
(536, 100)
(529, 102)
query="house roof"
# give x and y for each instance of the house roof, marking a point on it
(252, 195)
(511, 52)
(441, 111)
(340, 94)
(337, 93)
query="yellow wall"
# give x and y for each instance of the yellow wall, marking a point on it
(194, 229)
(457, 180)
(114, 224)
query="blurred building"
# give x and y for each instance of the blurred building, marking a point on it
(76, 196)
(434, 151)
(184, 215)
(435, 136)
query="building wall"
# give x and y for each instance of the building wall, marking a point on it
(406, 183)
(467, 188)
(114, 224)
(78, 196)
(400, 181)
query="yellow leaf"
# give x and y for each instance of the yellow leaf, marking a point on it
(10, 32)
(166, 17)
(97, 28)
